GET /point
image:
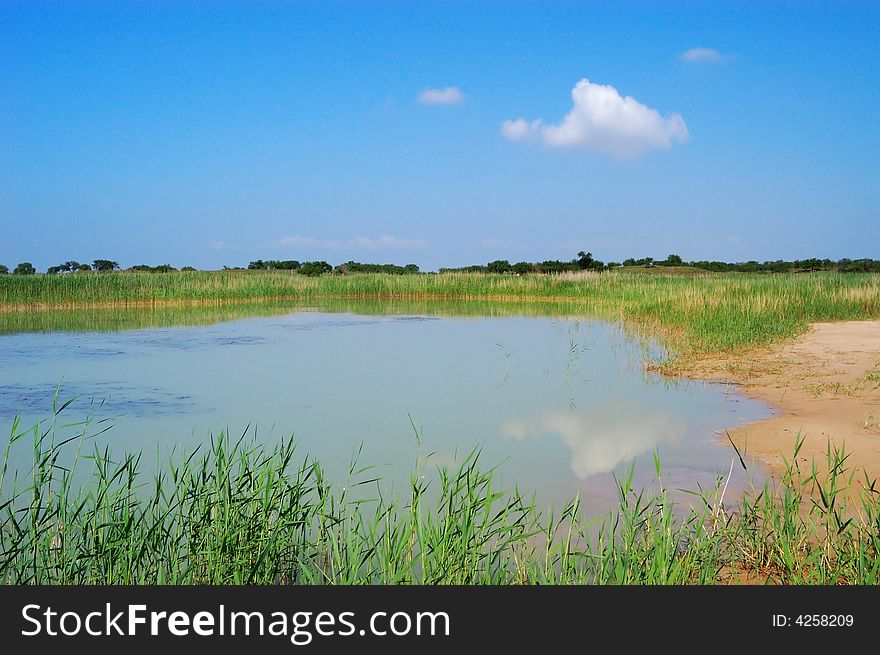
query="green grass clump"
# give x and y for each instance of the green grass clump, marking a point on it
(236, 512)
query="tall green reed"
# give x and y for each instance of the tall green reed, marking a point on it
(237, 511)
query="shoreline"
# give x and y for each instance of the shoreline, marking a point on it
(824, 387)
(823, 384)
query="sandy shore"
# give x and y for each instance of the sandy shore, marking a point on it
(824, 385)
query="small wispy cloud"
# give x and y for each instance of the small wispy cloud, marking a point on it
(520, 129)
(361, 242)
(217, 245)
(702, 56)
(603, 121)
(308, 242)
(449, 95)
(385, 241)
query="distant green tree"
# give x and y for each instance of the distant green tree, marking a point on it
(672, 260)
(104, 265)
(499, 266)
(164, 268)
(556, 266)
(4, 270)
(585, 260)
(83, 267)
(521, 268)
(188, 269)
(314, 269)
(25, 268)
(141, 268)
(612, 265)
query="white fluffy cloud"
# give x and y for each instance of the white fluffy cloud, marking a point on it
(603, 121)
(701, 56)
(370, 243)
(449, 95)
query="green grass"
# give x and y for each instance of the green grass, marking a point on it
(235, 512)
(662, 270)
(693, 314)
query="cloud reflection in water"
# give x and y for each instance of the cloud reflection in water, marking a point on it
(600, 439)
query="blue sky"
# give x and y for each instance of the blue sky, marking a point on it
(211, 134)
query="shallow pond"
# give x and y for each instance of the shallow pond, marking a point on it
(561, 404)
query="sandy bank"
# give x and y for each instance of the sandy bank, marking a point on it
(824, 385)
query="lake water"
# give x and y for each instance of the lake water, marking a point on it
(560, 404)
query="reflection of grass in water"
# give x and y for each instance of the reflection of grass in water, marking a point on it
(695, 314)
(241, 513)
(110, 319)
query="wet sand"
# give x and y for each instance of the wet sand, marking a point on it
(823, 385)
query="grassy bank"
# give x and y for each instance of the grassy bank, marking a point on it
(240, 513)
(694, 314)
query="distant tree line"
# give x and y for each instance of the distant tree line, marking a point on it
(312, 269)
(798, 265)
(107, 265)
(321, 267)
(73, 266)
(393, 269)
(275, 265)
(583, 262)
(161, 268)
(518, 268)
(68, 267)
(858, 265)
(98, 265)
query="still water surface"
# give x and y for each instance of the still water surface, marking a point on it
(561, 404)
